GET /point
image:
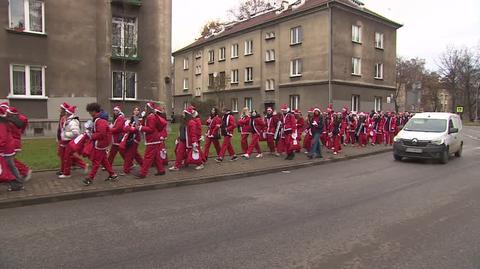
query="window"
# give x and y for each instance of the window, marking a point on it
(234, 104)
(124, 85)
(221, 79)
(249, 103)
(234, 76)
(355, 103)
(294, 102)
(185, 64)
(356, 34)
(185, 84)
(234, 51)
(249, 74)
(270, 85)
(270, 35)
(185, 104)
(198, 70)
(198, 92)
(379, 71)
(27, 81)
(211, 80)
(378, 104)
(221, 53)
(124, 37)
(249, 47)
(198, 54)
(270, 56)
(211, 56)
(296, 35)
(379, 40)
(356, 66)
(27, 15)
(296, 68)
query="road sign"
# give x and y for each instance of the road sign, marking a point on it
(459, 109)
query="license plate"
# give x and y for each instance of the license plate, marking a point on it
(414, 150)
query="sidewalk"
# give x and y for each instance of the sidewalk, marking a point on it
(44, 187)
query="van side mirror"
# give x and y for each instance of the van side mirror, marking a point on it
(453, 131)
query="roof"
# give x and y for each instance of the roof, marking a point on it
(272, 15)
(434, 115)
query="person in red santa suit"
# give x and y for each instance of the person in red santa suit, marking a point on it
(213, 124)
(199, 132)
(131, 140)
(18, 125)
(362, 130)
(101, 138)
(289, 131)
(351, 127)
(336, 133)
(116, 128)
(344, 125)
(164, 134)
(392, 128)
(271, 122)
(244, 125)
(300, 126)
(389, 128)
(69, 131)
(307, 142)
(374, 125)
(9, 172)
(152, 126)
(187, 142)
(227, 128)
(257, 125)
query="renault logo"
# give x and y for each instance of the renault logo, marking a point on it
(414, 141)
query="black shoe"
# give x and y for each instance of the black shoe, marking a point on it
(112, 178)
(138, 176)
(219, 160)
(319, 157)
(15, 186)
(160, 174)
(59, 173)
(234, 158)
(87, 181)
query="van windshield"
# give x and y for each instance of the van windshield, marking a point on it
(426, 125)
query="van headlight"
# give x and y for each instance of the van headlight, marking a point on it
(396, 139)
(437, 142)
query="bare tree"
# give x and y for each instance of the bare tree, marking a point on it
(210, 27)
(449, 67)
(431, 87)
(409, 72)
(248, 8)
(469, 73)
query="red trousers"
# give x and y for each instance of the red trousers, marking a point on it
(337, 143)
(288, 143)
(180, 154)
(362, 139)
(131, 153)
(244, 142)
(271, 142)
(22, 168)
(113, 152)
(254, 145)
(226, 146)
(67, 159)
(99, 158)
(307, 142)
(389, 137)
(215, 143)
(152, 156)
(350, 138)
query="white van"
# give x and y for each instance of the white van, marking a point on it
(430, 136)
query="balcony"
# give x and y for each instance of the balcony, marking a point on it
(129, 54)
(136, 3)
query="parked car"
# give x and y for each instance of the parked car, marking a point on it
(430, 136)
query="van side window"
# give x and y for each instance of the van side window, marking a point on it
(450, 124)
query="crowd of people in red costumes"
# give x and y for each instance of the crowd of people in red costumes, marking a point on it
(285, 132)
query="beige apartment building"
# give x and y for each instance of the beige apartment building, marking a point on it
(115, 52)
(305, 54)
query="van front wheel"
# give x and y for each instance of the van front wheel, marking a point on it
(397, 157)
(444, 156)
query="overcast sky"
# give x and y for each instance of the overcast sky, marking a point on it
(429, 25)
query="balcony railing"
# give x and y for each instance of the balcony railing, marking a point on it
(128, 2)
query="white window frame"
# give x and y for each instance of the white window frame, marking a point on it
(355, 100)
(248, 47)
(248, 101)
(124, 90)
(234, 76)
(270, 55)
(378, 40)
(26, 13)
(296, 35)
(234, 52)
(356, 66)
(28, 93)
(198, 70)
(185, 63)
(269, 35)
(198, 92)
(122, 21)
(377, 106)
(294, 102)
(378, 71)
(249, 74)
(185, 104)
(211, 56)
(270, 85)
(222, 54)
(296, 68)
(234, 104)
(357, 34)
(185, 84)
(198, 54)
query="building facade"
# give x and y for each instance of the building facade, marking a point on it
(313, 52)
(115, 52)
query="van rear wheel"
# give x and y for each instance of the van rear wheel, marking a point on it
(459, 152)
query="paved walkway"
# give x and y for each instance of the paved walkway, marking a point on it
(46, 187)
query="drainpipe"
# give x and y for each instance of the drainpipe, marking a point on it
(330, 60)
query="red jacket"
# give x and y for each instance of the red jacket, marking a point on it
(300, 125)
(191, 133)
(152, 127)
(244, 124)
(130, 129)
(258, 126)
(18, 131)
(289, 123)
(6, 140)
(213, 126)
(228, 125)
(101, 134)
(198, 122)
(117, 129)
(271, 124)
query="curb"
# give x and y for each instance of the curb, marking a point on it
(20, 202)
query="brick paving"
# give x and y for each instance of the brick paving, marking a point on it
(46, 187)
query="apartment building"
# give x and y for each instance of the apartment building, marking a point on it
(312, 52)
(115, 52)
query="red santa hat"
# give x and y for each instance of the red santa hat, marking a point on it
(68, 108)
(285, 108)
(189, 110)
(317, 109)
(3, 112)
(4, 105)
(297, 112)
(151, 105)
(12, 110)
(117, 108)
(158, 109)
(330, 108)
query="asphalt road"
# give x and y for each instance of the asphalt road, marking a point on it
(366, 213)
